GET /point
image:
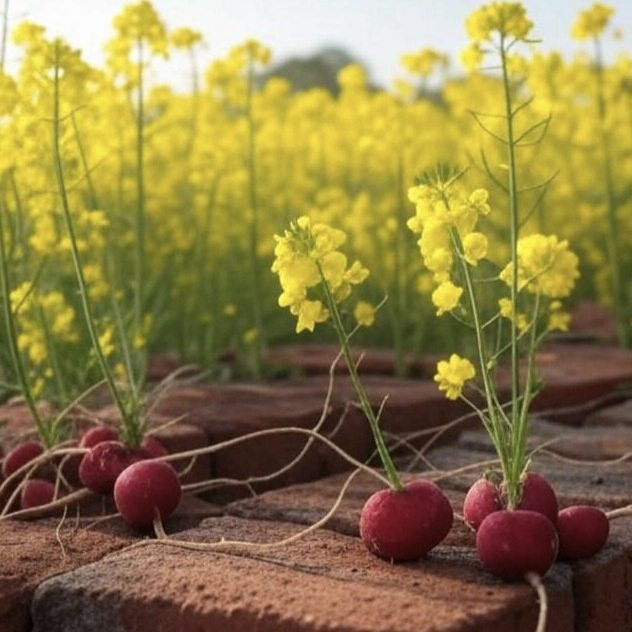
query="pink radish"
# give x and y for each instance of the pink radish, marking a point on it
(101, 466)
(513, 543)
(98, 434)
(405, 525)
(147, 490)
(20, 455)
(153, 448)
(484, 497)
(36, 492)
(481, 499)
(582, 531)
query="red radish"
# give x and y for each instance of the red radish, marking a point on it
(582, 531)
(538, 495)
(20, 455)
(98, 434)
(153, 448)
(512, 543)
(481, 499)
(36, 492)
(405, 525)
(484, 497)
(146, 490)
(101, 466)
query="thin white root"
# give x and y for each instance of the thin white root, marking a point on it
(536, 583)
(622, 512)
(239, 545)
(43, 510)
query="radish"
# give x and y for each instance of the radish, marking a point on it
(481, 499)
(153, 448)
(514, 543)
(404, 525)
(36, 492)
(145, 491)
(484, 497)
(98, 434)
(101, 466)
(20, 455)
(582, 531)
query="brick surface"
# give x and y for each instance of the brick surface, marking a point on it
(324, 581)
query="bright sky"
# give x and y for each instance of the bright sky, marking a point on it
(376, 32)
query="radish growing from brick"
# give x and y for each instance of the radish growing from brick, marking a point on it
(485, 496)
(20, 455)
(102, 464)
(153, 448)
(36, 492)
(513, 543)
(582, 530)
(405, 525)
(147, 491)
(98, 434)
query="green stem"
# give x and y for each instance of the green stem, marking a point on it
(624, 332)
(254, 225)
(83, 290)
(365, 405)
(12, 334)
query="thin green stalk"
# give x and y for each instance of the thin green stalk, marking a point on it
(83, 290)
(12, 334)
(365, 405)
(624, 332)
(254, 225)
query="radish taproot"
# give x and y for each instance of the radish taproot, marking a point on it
(102, 464)
(405, 525)
(147, 490)
(582, 531)
(513, 543)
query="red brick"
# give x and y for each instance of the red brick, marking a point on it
(322, 581)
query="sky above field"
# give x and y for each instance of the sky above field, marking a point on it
(376, 32)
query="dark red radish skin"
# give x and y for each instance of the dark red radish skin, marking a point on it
(20, 455)
(98, 434)
(538, 495)
(481, 499)
(36, 492)
(146, 490)
(102, 465)
(153, 448)
(405, 525)
(512, 543)
(582, 531)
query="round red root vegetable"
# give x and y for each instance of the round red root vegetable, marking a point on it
(36, 492)
(512, 543)
(404, 525)
(582, 531)
(20, 455)
(481, 499)
(101, 466)
(146, 490)
(98, 434)
(153, 448)
(538, 495)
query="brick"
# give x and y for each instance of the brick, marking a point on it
(322, 581)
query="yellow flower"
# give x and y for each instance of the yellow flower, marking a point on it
(446, 297)
(559, 319)
(592, 22)
(309, 313)
(452, 374)
(545, 266)
(364, 313)
(507, 311)
(474, 247)
(508, 19)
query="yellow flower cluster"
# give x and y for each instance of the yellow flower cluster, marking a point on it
(446, 221)
(306, 256)
(508, 19)
(452, 375)
(592, 22)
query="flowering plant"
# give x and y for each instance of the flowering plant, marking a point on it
(511, 305)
